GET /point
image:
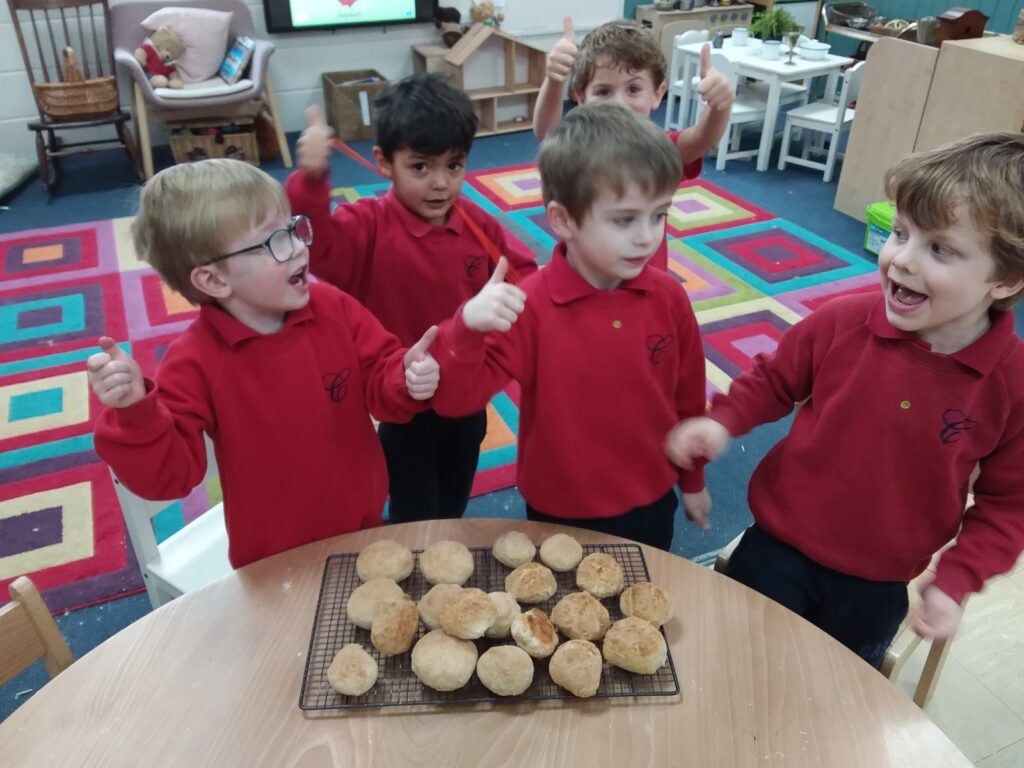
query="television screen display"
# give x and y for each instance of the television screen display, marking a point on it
(301, 15)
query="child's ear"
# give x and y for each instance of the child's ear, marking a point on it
(561, 222)
(209, 280)
(382, 162)
(1007, 288)
(659, 93)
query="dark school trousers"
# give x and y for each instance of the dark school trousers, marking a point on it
(651, 524)
(863, 615)
(431, 463)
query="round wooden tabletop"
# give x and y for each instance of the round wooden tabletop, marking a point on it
(213, 678)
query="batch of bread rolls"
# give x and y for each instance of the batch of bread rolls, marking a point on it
(446, 656)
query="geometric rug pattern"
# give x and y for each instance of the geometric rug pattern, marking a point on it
(748, 274)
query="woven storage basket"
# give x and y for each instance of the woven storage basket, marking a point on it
(240, 145)
(79, 100)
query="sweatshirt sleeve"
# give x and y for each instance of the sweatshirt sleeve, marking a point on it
(343, 242)
(156, 447)
(691, 393)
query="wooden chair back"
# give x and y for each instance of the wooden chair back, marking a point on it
(28, 634)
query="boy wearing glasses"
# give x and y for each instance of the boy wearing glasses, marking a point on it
(412, 258)
(281, 374)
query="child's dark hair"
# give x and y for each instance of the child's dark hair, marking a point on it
(424, 113)
(605, 146)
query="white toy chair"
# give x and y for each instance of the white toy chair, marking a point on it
(188, 559)
(681, 80)
(827, 119)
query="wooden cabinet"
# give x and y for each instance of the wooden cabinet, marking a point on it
(665, 25)
(915, 97)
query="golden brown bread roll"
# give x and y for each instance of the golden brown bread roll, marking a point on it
(446, 562)
(576, 666)
(561, 552)
(507, 609)
(362, 603)
(636, 646)
(513, 549)
(442, 662)
(353, 671)
(581, 616)
(600, 575)
(430, 604)
(648, 602)
(394, 626)
(531, 583)
(534, 633)
(468, 614)
(385, 558)
(505, 670)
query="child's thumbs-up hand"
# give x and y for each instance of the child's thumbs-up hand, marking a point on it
(314, 145)
(115, 377)
(563, 55)
(422, 373)
(714, 87)
(497, 305)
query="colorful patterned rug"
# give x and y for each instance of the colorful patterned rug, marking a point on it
(749, 275)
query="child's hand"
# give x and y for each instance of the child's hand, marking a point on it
(563, 55)
(693, 439)
(938, 616)
(115, 377)
(714, 87)
(422, 373)
(497, 305)
(314, 145)
(697, 507)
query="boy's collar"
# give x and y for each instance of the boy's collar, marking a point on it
(981, 356)
(567, 285)
(233, 331)
(416, 226)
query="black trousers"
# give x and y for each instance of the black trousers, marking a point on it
(431, 463)
(651, 524)
(863, 615)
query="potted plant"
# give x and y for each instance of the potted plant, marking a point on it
(773, 24)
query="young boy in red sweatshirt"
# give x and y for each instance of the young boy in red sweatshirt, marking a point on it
(622, 62)
(282, 375)
(411, 258)
(904, 395)
(607, 351)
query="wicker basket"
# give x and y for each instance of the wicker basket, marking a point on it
(81, 100)
(238, 145)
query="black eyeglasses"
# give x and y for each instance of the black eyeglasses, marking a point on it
(281, 242)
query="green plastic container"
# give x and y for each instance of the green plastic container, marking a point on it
(879, 227)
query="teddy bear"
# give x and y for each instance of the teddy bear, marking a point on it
(156, 54)
(483, 13)
(449, 22)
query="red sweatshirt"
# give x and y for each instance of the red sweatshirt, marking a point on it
(411, 274)
(690, 171)
(872, 478)
(604, 376)
(288, 415)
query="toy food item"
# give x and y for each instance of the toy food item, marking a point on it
(531, 583)
(386, 558)
(394, 627)
(581, 616)
(534, 633)
(561, 552)
(505, 670)
(430, 604)
(442, 662)
(364, 600)
(468, 614)
(601, 575)
(513, 549)
(507, 609)
(446, 562)
(353, 671)
(576, 666)
(646, 601)
(636, 646)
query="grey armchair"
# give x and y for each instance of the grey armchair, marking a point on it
(223, 101)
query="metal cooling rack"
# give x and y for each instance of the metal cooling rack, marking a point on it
(398, 686)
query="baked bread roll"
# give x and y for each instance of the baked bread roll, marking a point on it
(442, 662)
(561, 552)
(430, 604)
(534, 633)
(507, 609)
(387, 559)
(468, 614)
(576, 666)
(505, 670)
(636, 646)
(446, 562)
(362, 603)
(531, 583)
(394, 627)
(600, 575)
(581, 616)
(353, 671)
(648, 602)
(513, 549)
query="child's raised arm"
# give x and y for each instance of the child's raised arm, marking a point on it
(314, 145)
(548, 112)
(115, 377)
(497, 305)
(718, 94)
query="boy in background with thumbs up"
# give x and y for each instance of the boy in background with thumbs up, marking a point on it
(281, 374)
(619, 61)
(412, 258)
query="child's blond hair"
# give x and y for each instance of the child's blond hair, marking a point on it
(605, 146)
(984, 173)
(189, 213)
(619, 44)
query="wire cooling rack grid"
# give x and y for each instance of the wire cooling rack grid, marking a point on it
(398, 686)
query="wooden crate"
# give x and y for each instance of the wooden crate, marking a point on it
(188, 146)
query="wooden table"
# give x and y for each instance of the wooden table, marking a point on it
(213, 677)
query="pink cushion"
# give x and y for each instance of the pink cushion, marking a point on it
(204, 33)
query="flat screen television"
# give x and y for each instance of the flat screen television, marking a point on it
(303, 15)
